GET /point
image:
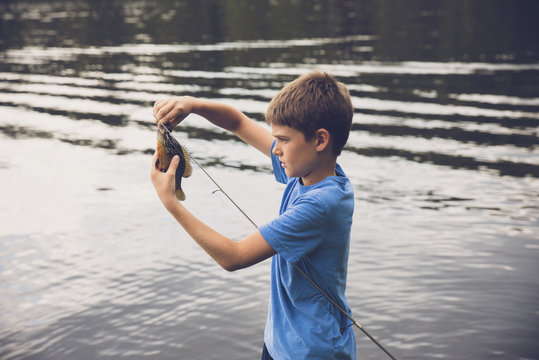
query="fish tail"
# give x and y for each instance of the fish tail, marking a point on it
(180, 195)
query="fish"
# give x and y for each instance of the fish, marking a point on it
(167, 147)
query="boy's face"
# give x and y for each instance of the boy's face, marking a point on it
(298, 157)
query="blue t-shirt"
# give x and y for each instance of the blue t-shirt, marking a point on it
(312, 232)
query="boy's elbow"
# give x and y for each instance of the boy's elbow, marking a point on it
(246, 253)
(239, 256)
(231, 266)
(232, 261)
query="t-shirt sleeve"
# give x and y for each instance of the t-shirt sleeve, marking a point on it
(298, 230)
(278, 170)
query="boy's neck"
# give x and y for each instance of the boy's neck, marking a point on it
(326, 169)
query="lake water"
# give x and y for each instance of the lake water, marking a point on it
(443, 157)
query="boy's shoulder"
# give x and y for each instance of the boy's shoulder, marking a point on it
(333, 194)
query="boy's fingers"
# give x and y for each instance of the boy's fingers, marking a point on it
(156, 108)
(161, 111)
(166, 112)
(169, 111)
(173, 165)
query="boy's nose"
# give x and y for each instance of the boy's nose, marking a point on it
(276, 150)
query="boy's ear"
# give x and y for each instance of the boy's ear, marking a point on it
(322, 137)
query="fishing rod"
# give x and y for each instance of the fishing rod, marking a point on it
(354, 322)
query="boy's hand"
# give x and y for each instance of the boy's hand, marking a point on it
(173, 110)
(164, 182)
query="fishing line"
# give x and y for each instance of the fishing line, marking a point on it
(219, 188)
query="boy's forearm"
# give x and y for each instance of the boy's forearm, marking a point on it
(219, 247)
(222, 115)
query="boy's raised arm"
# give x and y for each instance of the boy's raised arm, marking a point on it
(174, 110)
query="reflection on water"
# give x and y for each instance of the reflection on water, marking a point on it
(443, 156)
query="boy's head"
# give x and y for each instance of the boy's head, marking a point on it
(311, 102)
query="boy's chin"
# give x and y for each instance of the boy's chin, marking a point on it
(288, 172)
(291, 174)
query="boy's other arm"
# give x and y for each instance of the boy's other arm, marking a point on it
(229, 254)
(175, 109)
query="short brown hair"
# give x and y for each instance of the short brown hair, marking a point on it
(314, 101)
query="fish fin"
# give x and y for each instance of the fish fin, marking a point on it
(188, 168)
(180, 195)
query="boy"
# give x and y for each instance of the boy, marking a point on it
(310, 122)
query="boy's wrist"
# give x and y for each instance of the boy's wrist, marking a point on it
(195, 104)
(169, 201)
